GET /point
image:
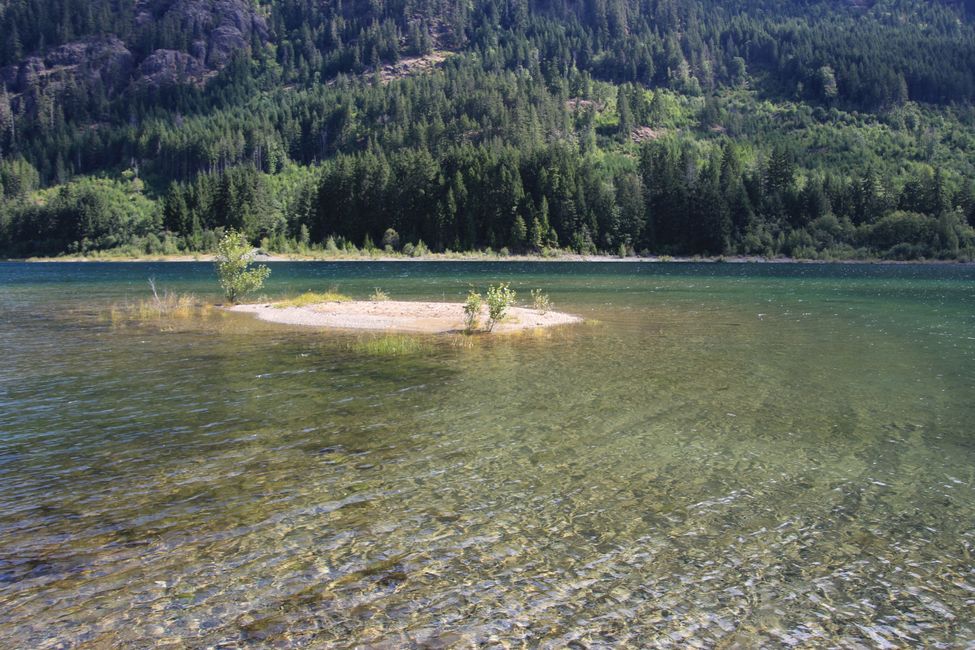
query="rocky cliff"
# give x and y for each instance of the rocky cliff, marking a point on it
(206, 36)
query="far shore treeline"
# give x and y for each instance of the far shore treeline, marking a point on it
(816, 130)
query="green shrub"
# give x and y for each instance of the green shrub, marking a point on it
(390, 239)
(499, 300)
(901, 227)
(582, 242)
(540, 301)
(379, 295)
(472, 311)
(233, 262)
(905, 251)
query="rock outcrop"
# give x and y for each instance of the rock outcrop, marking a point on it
(217, 30)
(167, 67)
(105, 59)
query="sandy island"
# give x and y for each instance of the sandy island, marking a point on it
(426, 317)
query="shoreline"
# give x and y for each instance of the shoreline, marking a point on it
(399, 316)
(479, 258)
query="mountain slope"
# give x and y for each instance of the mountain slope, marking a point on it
(685, 127)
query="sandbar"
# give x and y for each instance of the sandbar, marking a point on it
(400, 316)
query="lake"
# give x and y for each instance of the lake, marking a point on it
(760, 454)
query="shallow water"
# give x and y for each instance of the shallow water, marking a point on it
(776, 455)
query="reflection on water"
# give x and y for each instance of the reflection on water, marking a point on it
(722, 454)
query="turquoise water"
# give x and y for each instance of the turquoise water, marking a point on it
(776, 455)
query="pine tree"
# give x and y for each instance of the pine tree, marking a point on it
(519, 233)
(625, 114)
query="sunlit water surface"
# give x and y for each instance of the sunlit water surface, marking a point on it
(723, 454)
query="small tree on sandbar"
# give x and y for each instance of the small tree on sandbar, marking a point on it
(234, 258)
(499, 299)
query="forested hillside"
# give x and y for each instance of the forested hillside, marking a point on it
(807, 128)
